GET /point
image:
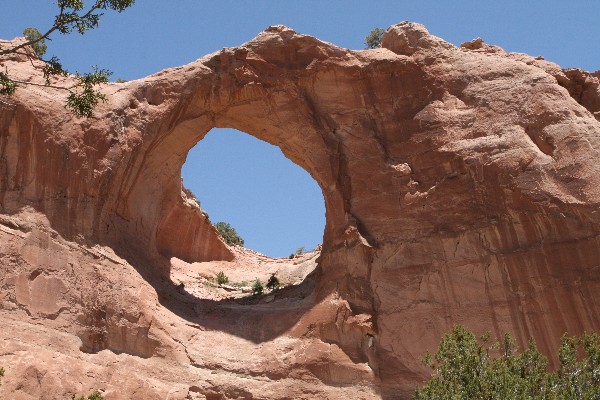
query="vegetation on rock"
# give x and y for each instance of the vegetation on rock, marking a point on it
(257, 288)
(467, 368)
(373, 39)
(72, 16)
(273, 283)
(229, 234)
(95, 395)
(222, 279)
(299, 251)
(38, 43)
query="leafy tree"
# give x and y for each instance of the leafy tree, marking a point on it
(257, 288)
(38, 43)
(273, 282)
(229, 234)
(1, 375)
(222, 279)
(579, 378)
(373, 39)
(465, 368)
(72, 16)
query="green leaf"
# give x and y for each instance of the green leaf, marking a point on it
(7, 85)
(52, 68)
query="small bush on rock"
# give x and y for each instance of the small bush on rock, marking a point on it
(229, 234)
(38, 41)
(257, 288)
(299, 251)
(222, 279)
(273, 283)
(373, 39)
(95, 395)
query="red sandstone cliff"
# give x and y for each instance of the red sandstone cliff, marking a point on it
(461, 186)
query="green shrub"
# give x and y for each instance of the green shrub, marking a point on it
(39, 45)
(1, 375)
(466, 368)
(229, 234)
(95, 395)
(273, 283)
(222, 279)
(373, 39)
(299, 251)
(257, 288)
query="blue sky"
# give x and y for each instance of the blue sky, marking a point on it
(274, 205)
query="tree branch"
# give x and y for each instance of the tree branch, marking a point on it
(69, 89)
(54, 27)
(31, 42)
(83, 96)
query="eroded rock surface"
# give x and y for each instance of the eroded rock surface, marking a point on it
(461, 186)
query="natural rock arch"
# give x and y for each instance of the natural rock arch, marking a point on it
(238, 98)
(274, 205)
(306, 150)
(461, 184)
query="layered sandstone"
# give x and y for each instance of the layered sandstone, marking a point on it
(461, 186)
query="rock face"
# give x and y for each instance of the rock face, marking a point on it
(461, 186)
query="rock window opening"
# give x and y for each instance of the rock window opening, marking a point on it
(272, 203)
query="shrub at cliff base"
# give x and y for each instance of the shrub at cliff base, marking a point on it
(467, 368)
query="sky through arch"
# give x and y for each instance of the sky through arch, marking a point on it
(274, 204)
